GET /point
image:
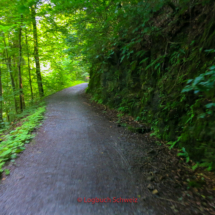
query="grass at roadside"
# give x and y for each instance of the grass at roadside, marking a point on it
(50, 91)
(77, 82)
(19, 132)
(12, 143)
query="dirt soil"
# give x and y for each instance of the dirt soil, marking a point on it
(81, 151)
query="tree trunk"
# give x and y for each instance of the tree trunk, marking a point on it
(29, 67)
(1, 117)
(8, 62)
(21, 95)
(36, 53)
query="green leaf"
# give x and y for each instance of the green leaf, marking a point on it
(122, 58)
(6, 153)
(202, 115)
(205, 164)
(7, 172)
(187, 89)
(198, 79)
(212, 67)
(189, 81)
(210, 50)
(143, 60)
(195, 166)
(13, 156)
(210, 105)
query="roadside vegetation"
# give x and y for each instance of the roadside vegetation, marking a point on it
(35, 61)
(14, 139)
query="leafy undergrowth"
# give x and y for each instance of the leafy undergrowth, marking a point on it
(14, 141)
(162, 72)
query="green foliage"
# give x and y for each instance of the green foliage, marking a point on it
(185, 154)
(146, 60)
(173, 143)
(7, 172)
(58, 64)
(203, 83)
(14, 142)
(197, 184)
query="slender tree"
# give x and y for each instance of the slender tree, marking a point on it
(36, 52)
(1, 115)
(8, 62)
(29, 67)
(21, 95)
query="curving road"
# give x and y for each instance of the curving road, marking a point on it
(75, 154)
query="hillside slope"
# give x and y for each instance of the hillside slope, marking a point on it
(161, 70)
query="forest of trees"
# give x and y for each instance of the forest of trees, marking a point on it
(35, 59)
(152, 59)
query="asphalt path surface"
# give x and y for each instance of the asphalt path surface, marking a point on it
(75, 154)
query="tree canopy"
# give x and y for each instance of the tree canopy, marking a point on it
(35, 58)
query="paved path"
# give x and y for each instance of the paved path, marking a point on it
(75, 154)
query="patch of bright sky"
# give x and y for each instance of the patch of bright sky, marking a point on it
(46, 68)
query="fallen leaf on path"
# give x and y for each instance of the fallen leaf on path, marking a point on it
(150, 178)
(155, 192)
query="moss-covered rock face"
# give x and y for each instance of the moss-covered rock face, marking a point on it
(146, 78)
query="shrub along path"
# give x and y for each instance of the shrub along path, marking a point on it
(79, 153)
